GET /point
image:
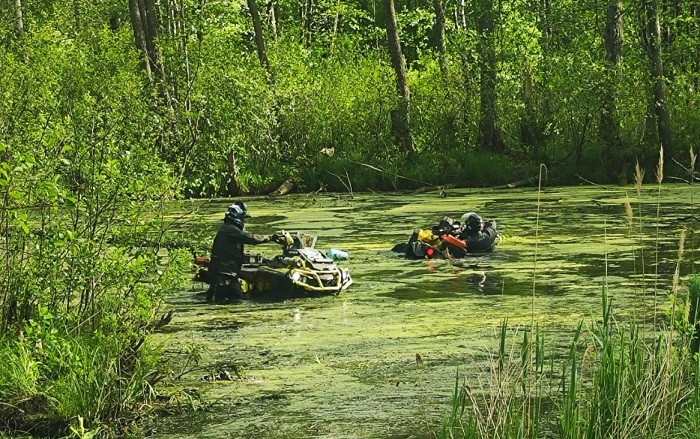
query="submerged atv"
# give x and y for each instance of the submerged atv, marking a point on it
(299, 271)
(446, 241)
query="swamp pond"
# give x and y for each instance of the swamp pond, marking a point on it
(380, 360)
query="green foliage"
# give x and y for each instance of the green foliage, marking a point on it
(61, 378)
(81, 184)
(213, 111)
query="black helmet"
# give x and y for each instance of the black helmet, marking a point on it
(472, 220)
(236, 214)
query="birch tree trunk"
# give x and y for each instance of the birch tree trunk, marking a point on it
(530, 133)
(20, 21)
(308, 21)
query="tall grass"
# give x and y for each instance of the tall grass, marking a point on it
(616, 380)
(51, 383)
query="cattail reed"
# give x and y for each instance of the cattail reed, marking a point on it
(638, 179)
(660, 166)
(675, 286)
(628, 210)
(693, 157)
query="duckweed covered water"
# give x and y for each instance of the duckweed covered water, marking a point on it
(380, 360)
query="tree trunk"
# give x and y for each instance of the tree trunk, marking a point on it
(20, 21)
(609, 117)
(139, 36)
(145, 27)
(462, 15)
(439, 35)
(308, 21)
(544, 25)
(400, 117)
(233, 186)
(670, 9)
(336, 21)
(695, 55)
(272, 18)
(530, 134)
(149, 25)
(652, 40)
(489, 130)
(536, 108)
(259, 37)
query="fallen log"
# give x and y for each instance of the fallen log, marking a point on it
(283, 189)
(520, 183)
(438, 188)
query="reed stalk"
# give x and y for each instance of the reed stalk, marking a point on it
(693, 159)
(659, 179)
(528, 393)
(638, 179)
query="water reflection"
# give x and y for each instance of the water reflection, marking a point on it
(478, 279)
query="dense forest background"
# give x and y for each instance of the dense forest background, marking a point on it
(221, 98)
(110, 109)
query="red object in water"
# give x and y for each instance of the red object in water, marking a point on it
(429, 252)
(454, 241)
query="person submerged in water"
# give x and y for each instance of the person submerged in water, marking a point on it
(479, 235)
(452, 239)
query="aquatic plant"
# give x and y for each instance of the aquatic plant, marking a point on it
(616, 380)
(634, 387)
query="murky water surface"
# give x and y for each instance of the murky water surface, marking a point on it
(380, 360)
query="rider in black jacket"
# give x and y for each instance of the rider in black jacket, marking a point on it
(227, 254)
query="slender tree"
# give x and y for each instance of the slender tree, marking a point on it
(461, 15)
(439, 35)
(694, 17)
(259, 37)
(144, 26)
(658, 112)
(530, 133)
(308, 19)
(609, 118)
(400, 117)
(489, 129)
(19, 24)
(272, 18)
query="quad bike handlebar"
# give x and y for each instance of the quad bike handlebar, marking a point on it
(282, 238)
